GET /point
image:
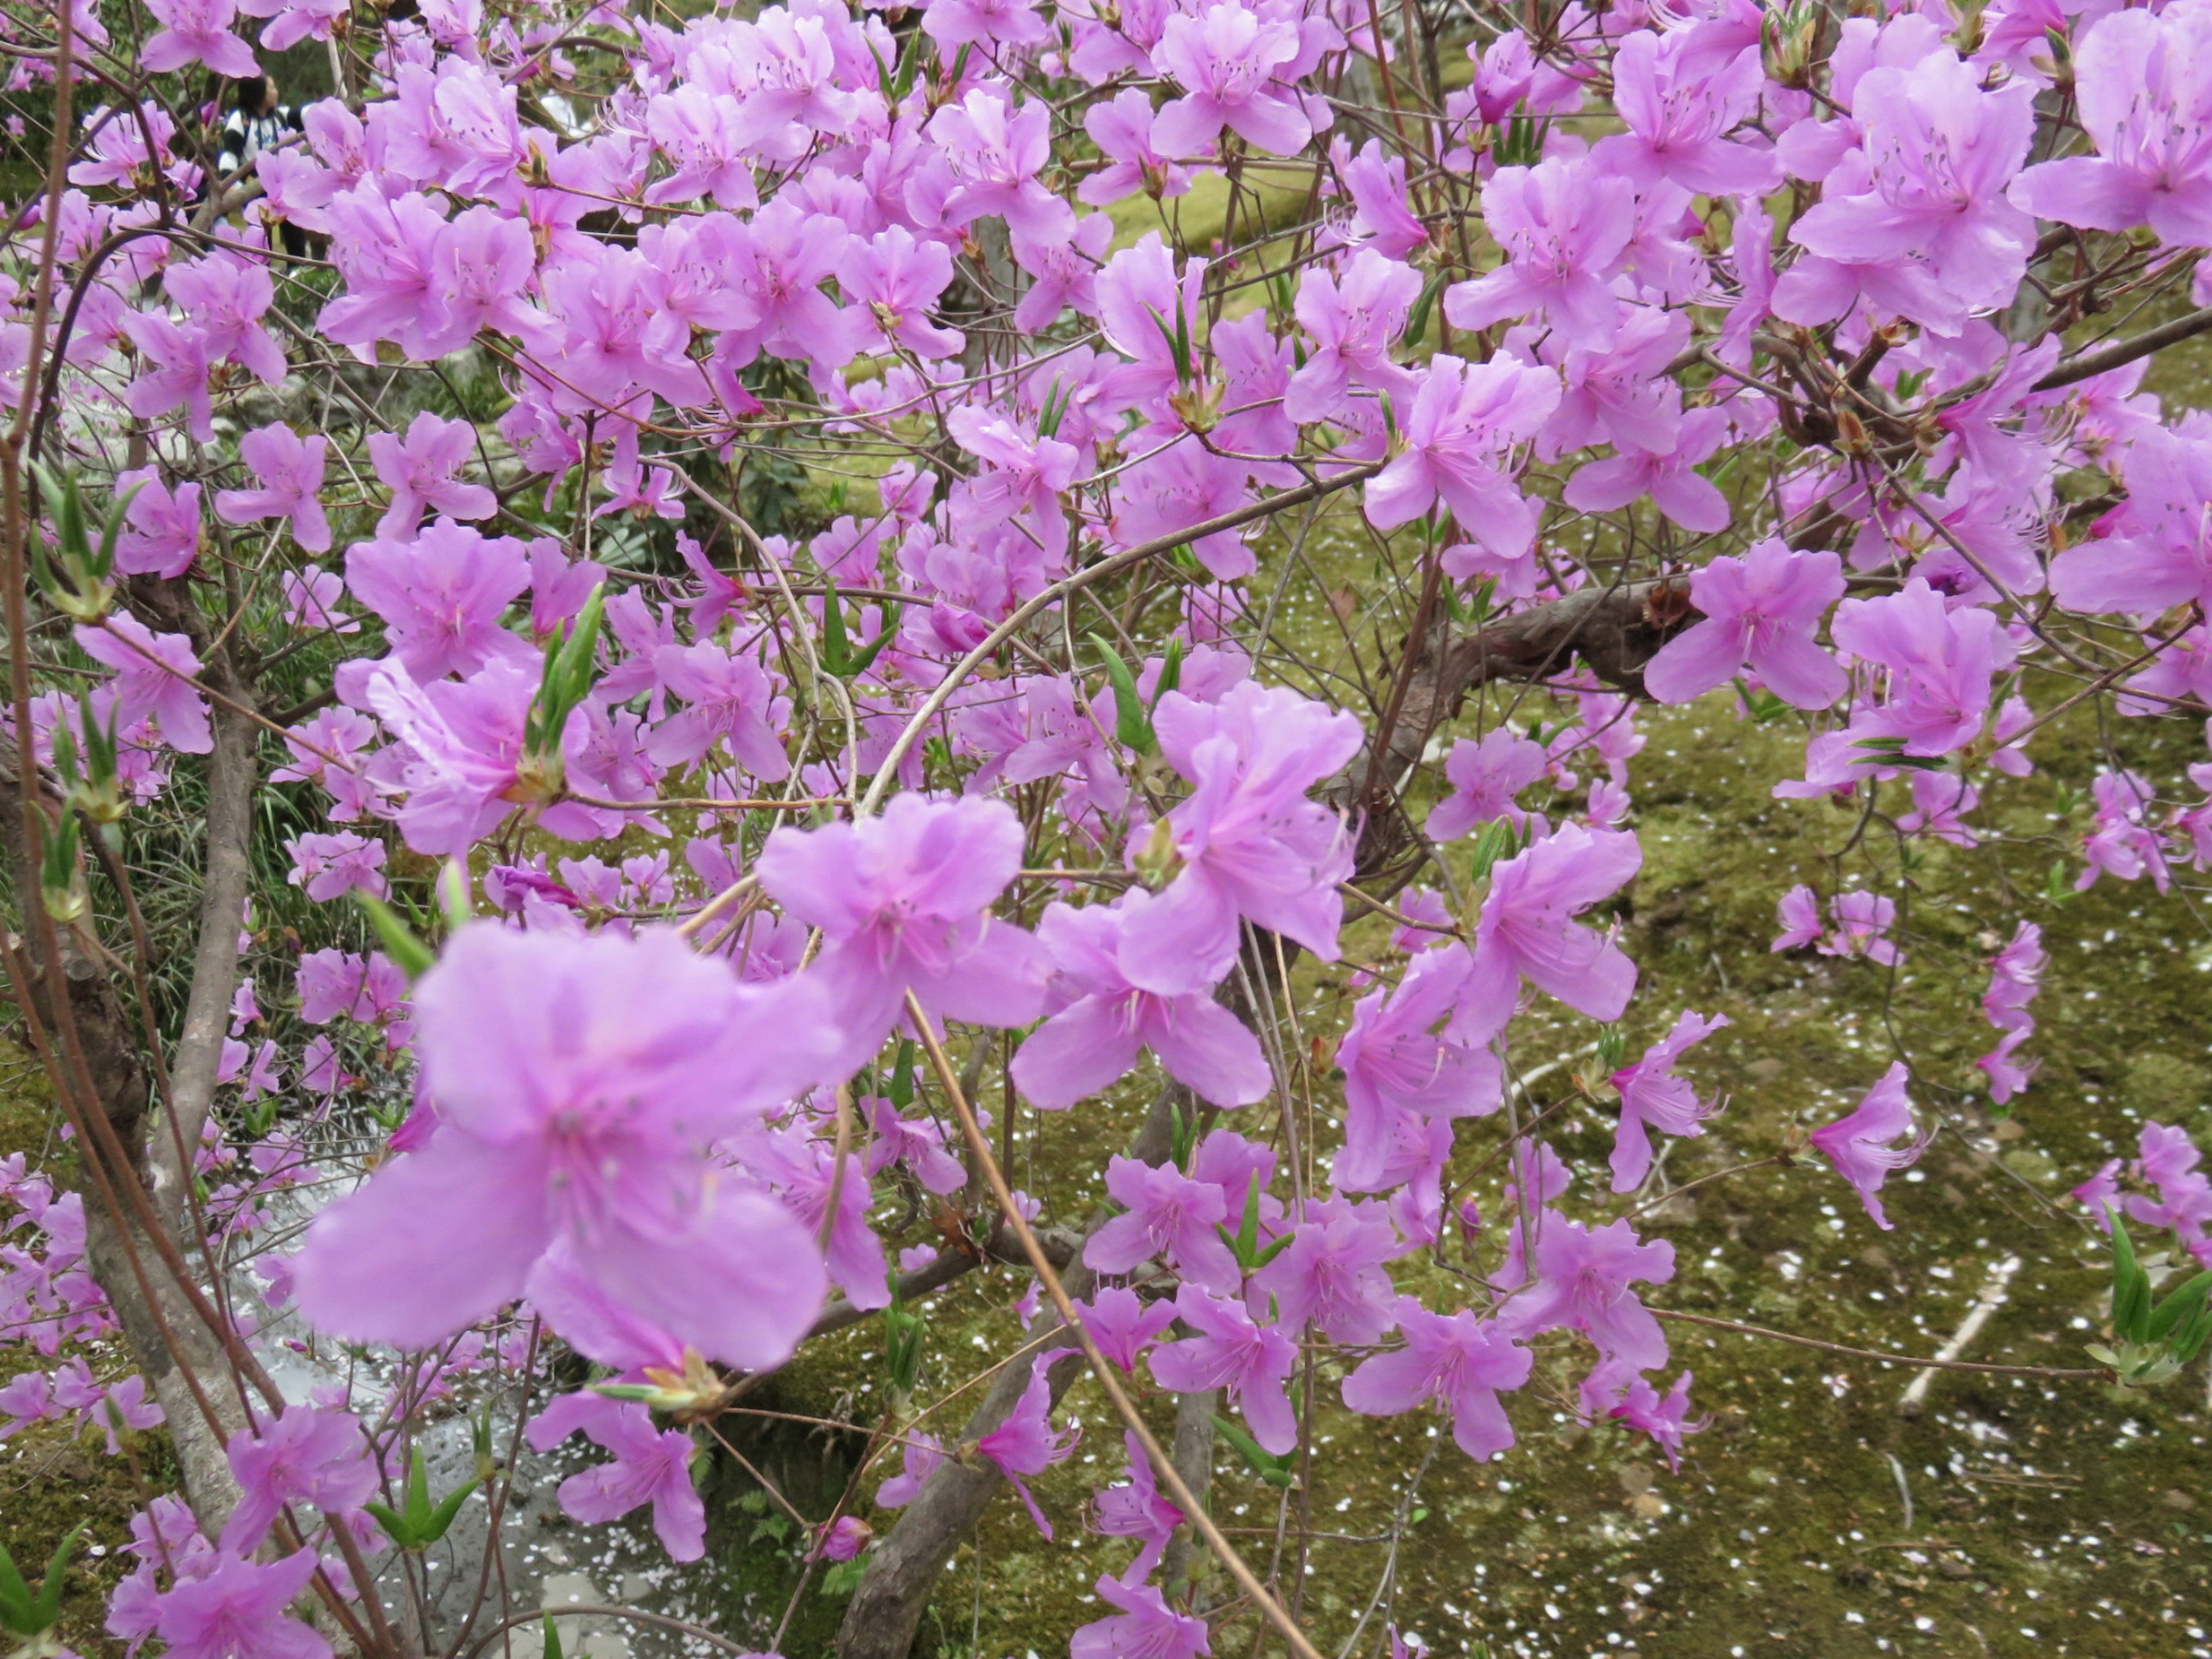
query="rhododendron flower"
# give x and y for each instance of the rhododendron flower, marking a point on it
(1168, 1214)
(1332, 1274)
(196, 32)
(155, 675)
(290, 469)
(1528, 930)
(1147, 1626)
(1396, 1060)
(1764, 610)
(1250, 1362)
(305, 1456)
(1651, 1098)
(578, 1080)
(1246, 843)
(1025, 1444)
(1462, 420)
(1859, 1144)
(902, 901)
(650, 1466)
(1106, 1018)
(1485, 775)
(237, 1608)
(1565, 225)
(1579, 1281)
(1224, 58)
(1456, 1359)
(1135, 1509)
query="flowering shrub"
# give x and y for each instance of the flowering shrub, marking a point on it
(738, 576)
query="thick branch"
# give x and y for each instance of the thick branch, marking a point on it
(2120, 352)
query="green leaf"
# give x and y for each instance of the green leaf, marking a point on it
(2179, 1304)
(394, 1524)
(1275, 1471)
(1417, 319)
(2130, 1285)
(552, 1644)
(400, 942)
(47, 1611)
(1133, 727)
(441, 1518)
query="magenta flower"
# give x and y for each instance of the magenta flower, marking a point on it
(419, 470)
(1528, 930)
(1462, 421)
(290, 471)
(1248, 1361)
(1135, 1509)
(892, 280)
(1167, 1214)
(1021, 475)
(1650, 1097)
(1670, 478)
(1026, 1443)
(2157, 553)
(1143, 301)
(1123, 1324)
(903, 902)
(196, 32)
(162, 528)
(1332, 1273)
(732, 701)
(328, 866)
(1145, 1628)
(1861, 1145)
(1580, 1283)
(236, 1611)
(1613, 1390)
(1246, 843)
(1123, 130)
(1353, 321)
(1677, 108)
(1105, 1018)
(1486, 775)
(1401, 1055)
(2143, 81)
(650, 1466)
(442, 595)
(994, 24)
(1456, 1359)
(2016, 979)
(1929, 180)
(1225, 59)
(1863, 923)
(154, 679)
(1799, 913)
(1764, 608)
(305, 1456)
(311, 600)
(1565, 225)
(920, 1454)
(1940, 663)
(995, 152)
(578, 1080)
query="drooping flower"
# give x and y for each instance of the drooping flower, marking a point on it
(306, 1456)
(1860, 1144)
(1145, 1628)
(1651, 1097)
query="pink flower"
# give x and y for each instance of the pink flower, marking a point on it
(1123, 1324)
(1486, 775)
(2143, 80)
(1651, 1098)
(1396, 1063)
(1565, 225)
(1528, 930)
(1580, 1281)
(290, 469)
(1676, 109)
(1145, 1628)
(1332, 1274)
(1859, 1143)
(1105, 1019)
(1168, 1214)
(1225, 58)
(442, 595)
(580, 1078)
(1352, 320)
(1939, 662)
(1455, 1359)
(237, 1609)
(1799, 912)
(904, 901)
(328, 866)
(1463, 419)
(1764, 608)
(197, 31)
(419, 470)
(304, 1456)
(1136, 1509)
(1123, 130)
(1230, 1351)
(1025, 1444)
(154, 679)
(650, 1466)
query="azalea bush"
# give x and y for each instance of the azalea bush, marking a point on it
(649, 645)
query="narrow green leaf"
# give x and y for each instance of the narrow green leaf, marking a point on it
(394, 1524)
(1131, 726)
(2179, 1303)
(400, 942)
(1275, 1471)
(48, 1610)
(442, 1517)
